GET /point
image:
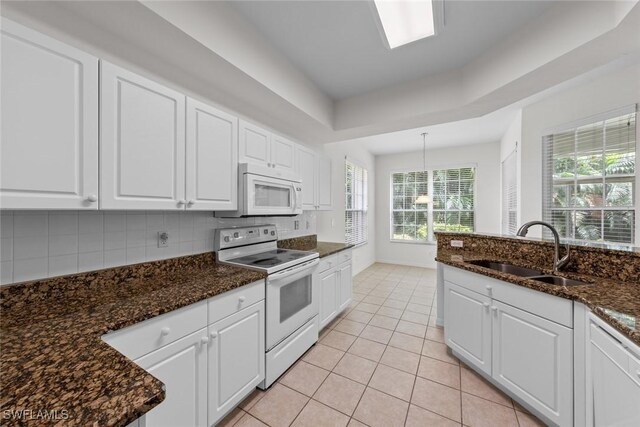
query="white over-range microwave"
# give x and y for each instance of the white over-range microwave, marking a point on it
(265, 192)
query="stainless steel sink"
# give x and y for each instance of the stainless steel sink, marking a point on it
(560, 281)
(507, 268)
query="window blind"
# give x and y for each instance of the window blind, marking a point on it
(449, 204)
(510, 193)
(454, 199)
(589, 179)
(356, 204)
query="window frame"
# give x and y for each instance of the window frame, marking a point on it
(365, 202)
(548, 179)
(431, 238)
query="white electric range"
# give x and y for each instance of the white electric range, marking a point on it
(291, 291)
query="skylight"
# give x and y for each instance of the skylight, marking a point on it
(405, 21)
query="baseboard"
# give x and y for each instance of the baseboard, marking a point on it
(408, 264)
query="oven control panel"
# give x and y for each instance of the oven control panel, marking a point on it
(240, 236)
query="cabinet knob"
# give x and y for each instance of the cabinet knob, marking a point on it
(92, 198)
(489, 289)
(486, 305)
(182, 202)
(494, 309)
(191, 202)
(213, 335)
(165, 331)
(204, 340)
(242, 299)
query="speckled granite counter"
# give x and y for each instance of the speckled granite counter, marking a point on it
(53, 358)
(615, 275)
(310, 243)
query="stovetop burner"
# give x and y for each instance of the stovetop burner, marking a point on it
(270, 258)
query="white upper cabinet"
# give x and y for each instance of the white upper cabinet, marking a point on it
(325, 194)
(255, 144)
(142, 150)
(49, 97)
(212, 158)
(282, 153)
(308, 171)
(259, 146)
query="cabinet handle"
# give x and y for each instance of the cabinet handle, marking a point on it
(213, 335)
(191, 202)
(204, 340)
(92, 198)
(165, 331)
(182, 202)
(241, 299)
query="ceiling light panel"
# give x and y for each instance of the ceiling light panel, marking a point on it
(405, 21)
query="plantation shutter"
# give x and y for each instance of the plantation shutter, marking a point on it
(510, 193)
(589, 178)
(356, 204)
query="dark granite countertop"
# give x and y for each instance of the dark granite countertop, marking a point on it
(310, 243)
(53, 358)
(615, 301)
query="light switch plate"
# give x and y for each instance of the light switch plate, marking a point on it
(457, 243)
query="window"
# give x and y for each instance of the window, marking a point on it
(510, 194)
(355, 215)
(428, 201)
(589, 180)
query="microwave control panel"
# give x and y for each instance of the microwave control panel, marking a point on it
(241, 236)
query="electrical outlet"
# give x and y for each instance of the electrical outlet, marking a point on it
(296, 224)
(457, 244)
(163, 239)
(308, 225)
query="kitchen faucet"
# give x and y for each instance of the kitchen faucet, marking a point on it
(557, 263)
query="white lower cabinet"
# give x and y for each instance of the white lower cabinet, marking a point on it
(469, 330)
(527, 352)
(613, 383)
(533, 359)
(182, 367)
(236, 359)
(209, 355)
(335, 280)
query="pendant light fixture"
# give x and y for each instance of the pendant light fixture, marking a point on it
(424, 197)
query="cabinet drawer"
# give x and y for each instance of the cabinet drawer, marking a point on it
(327, 263)
(144, 337)
(235, 300)
(344, 256)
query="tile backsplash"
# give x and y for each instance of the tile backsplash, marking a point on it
(39, 244)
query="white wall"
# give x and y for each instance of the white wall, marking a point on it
(39, 244)
(486, 158)
(604, 93)
(330, 225)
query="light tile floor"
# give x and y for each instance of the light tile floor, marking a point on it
(382, 363)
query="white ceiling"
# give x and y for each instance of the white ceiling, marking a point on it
(338, 46)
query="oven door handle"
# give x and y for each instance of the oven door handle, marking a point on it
(293, 270)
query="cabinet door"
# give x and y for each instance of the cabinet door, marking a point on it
(325, 195)
(533, 358)
(182, 367)
(329, 295)
(142, 146)
(236, 359)
(282, 153)
(467, 325)
(307, 164)
(255, 144)
(212, 158)
(616, 394)
(49, 97)
(345, 286)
